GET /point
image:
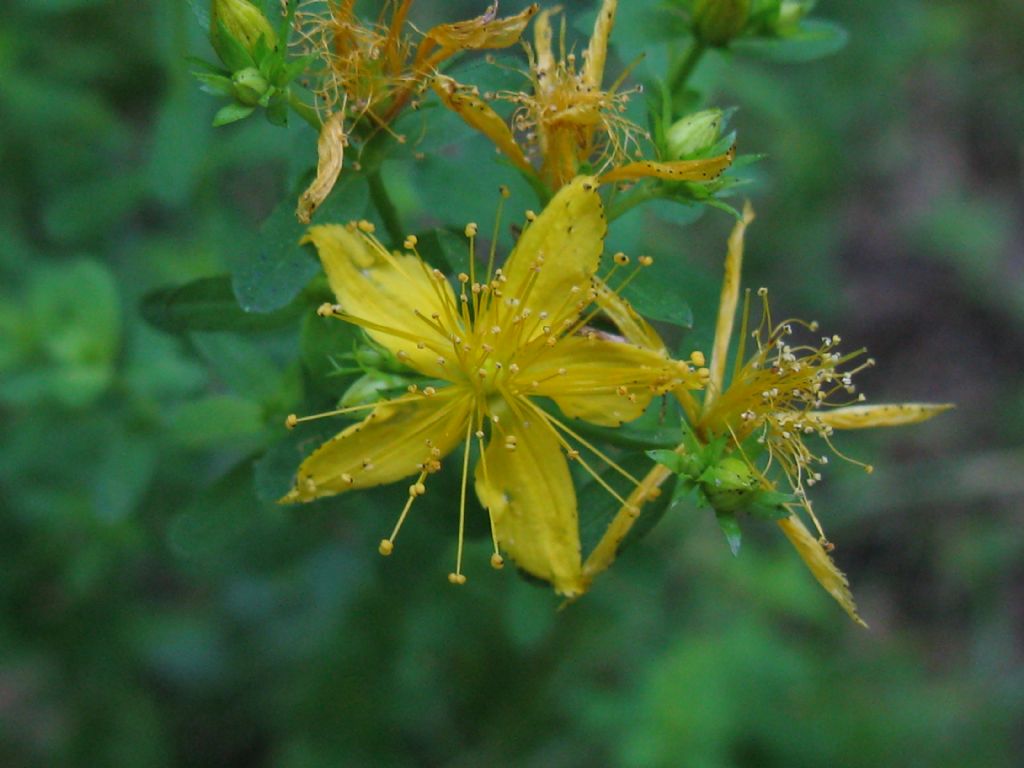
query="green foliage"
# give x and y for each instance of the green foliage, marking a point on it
(157, 324)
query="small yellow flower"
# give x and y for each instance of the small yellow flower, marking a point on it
(569, 123)
(782, 394)
(369, 72)
(516, 335)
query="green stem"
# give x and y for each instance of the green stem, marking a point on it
(304, 110)
(384, 205)
(685, 66)
(626, 203)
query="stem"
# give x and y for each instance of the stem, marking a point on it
(684, 67)
(304, 110)
(632, 199)
(384, 205)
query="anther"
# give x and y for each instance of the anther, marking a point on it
(325, 310)
(463, 278)
(621, 259)
(291, 421)
(497, 562)
(456, 578)
(646, 261)
(410, 242)
(471, 229)
(366, 226)
(531, 216)
(698, 359)
(504, 192)
(386, 547)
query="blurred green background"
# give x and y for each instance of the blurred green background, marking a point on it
(158, 611)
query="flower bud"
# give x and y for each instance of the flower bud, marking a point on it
(693, 133)
(243, 21)
(791, 12)
(716, 22)
(249, 86)
(729, 485)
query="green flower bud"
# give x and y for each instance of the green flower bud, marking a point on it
(791, 12)
(243, 21)
(693, 133)
(372, 387)
(716, 22)
(249, 86)
(730, 485)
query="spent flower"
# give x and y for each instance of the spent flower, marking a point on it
(569, 123)
(369, 72)
(775, 401)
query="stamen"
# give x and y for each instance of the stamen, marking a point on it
(417, 489)
(458, 577)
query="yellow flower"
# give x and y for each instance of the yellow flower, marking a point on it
(370, 72)
(782, 394)
(569, 123)
(516, 335)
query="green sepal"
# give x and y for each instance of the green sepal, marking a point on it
(217, 84)
(731, 528)
(232, 52)
(231, 113)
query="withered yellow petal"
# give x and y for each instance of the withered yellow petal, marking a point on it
(597, 50)
(478, 114)
(881, 415)
(727, 302)
(820, 564)
(550, 268)
(672, 170)
(391, 293)
(330, 148)
(486, 31)
(601, 381)
(389, 444)
(523, 480)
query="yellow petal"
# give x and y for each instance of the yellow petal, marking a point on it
(330, 147)
(478, 114)
(672, 170)
(551, 266)
(531, 500)
(727, 306)
(597, 50)
(386, 290)
(600, 381)
(484, 31)
(389, 444)
(629, 322)
(820, 564)
(882, 415)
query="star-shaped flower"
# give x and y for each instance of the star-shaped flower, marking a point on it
(495, 348)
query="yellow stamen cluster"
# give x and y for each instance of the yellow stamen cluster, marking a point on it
(778, 393)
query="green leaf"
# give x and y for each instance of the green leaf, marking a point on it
(209, 304)
(218, 420)
(597, 506)
(231, 113)
(220, 516)
(242, 365)
(813, 39)
(444, 249)
(269, 273)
